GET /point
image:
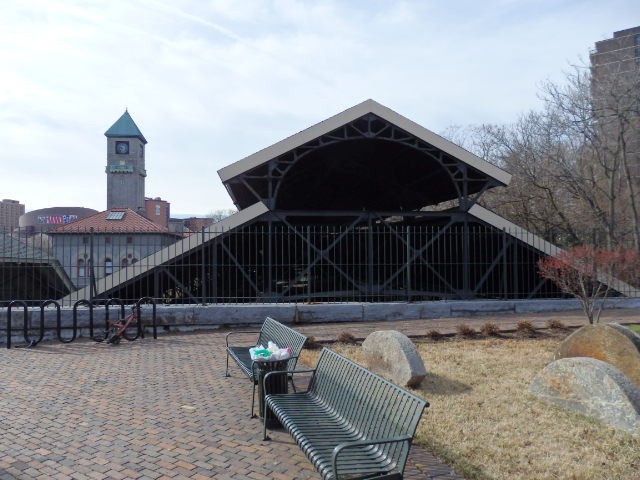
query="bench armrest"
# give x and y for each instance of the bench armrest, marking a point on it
(374, 441)
(226, 338)
(285, 372)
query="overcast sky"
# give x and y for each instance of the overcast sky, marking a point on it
(209, 82)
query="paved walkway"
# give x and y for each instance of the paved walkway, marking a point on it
(161, 409)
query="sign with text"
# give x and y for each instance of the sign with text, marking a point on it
(56, 219)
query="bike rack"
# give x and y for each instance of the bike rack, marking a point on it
(31, 342)
(86, 303)
(46, 303)
(25, 329)
(107, 304)
(154, 325)
(25, 310)
(25, 323)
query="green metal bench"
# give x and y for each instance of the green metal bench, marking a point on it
(350, 423)
(273, 331)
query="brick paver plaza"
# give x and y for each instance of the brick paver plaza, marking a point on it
(152, 409)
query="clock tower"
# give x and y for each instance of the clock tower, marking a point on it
(125, 164)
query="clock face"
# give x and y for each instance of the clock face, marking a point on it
(122, 147)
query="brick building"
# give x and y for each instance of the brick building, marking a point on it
(157, 210)
(10, 211)
(98, 245)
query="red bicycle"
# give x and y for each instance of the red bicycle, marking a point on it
(117, 328)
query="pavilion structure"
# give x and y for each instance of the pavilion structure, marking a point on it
(28, 273)
(364, 206)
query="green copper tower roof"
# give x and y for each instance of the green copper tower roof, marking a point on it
(125, 127)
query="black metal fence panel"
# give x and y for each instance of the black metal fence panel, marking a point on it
(267, 262)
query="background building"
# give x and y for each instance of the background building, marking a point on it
(617, 55)
(10, 211)
(29, 274)
(157, 210)
(100, 244)
(195, 224)
(45, 219)
(125, 165)
(615, 71)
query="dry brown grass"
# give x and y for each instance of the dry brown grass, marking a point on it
(485, 423)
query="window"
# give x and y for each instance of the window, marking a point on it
(158, 210)
(82, 271)
(108, 266)
(115, 215)
(129, 239)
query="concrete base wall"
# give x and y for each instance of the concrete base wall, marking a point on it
(191, 317)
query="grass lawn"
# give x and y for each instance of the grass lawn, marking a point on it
(483, 421)
(635, 328)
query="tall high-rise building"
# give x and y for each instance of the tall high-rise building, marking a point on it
(619, 55)
(10, 211)
(125, 165)
(615, 75)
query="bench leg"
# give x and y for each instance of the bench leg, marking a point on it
(253, 400)
(265, 437)
(226, 373)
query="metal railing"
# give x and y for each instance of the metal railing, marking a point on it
(271, 262)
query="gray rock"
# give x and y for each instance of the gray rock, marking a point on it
(591, 387)
(392, 355)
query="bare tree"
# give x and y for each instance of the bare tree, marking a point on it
(221, 214)
(575, 162)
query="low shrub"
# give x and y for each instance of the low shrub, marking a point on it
(347, 338)
(554, 324)
(526, 328)
(465, 330)
(434, 335)
(312, 343)
(489, 329)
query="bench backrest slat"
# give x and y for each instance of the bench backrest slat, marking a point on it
(367, 402)
(282, 336)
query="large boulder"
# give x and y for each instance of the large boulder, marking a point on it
(392, 355)
(591, 387)
(611, 343)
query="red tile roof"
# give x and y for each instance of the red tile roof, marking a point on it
(128, 222)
